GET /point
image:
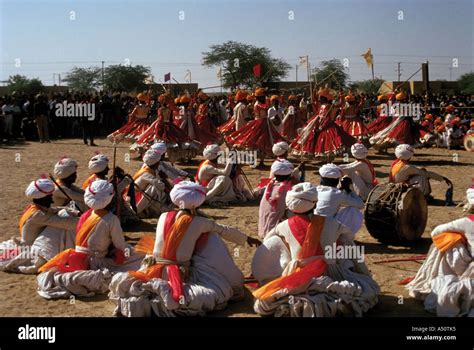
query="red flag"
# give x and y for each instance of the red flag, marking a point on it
(257, 69)
(167, 77)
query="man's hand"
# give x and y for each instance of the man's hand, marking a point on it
(253, 242)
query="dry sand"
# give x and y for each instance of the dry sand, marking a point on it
(20, 164)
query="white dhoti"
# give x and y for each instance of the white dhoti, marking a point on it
(220, 190)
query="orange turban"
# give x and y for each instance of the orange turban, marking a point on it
(326, 93)
(472, 124)
(450, 108)
(143, 97)
(185, 99)
(163, 98)
(438, 121)
(381, 98)
(429, 117)
(349, 98)
(401, 96)
(274, 98)
(292, 98)
(203, 96)
(250, 98)
(260, 92)
(240, 95)
(176, 100)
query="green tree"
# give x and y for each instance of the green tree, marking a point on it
(126, 78)
(367, 86)
(466, 83)
(83, 79)
(237, 61)
(22, 84)
(331, 73)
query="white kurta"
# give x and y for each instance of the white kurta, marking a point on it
(212, 281)
(241, 115)
(46, 233)
(346, 287)
(74, 192)
(361, 177)
(53, 284)
(417, 177)
(154, 187)
(445, 281)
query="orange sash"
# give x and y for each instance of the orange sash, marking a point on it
(203, 163)
(446, 240)
(145, 169)
(88, 181)
(395, 168)
(85, 228)
(302, 275)
(372, 171)
(27, 213)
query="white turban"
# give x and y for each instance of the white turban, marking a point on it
(39, 188)
(280, 148)
(98, 163)
(188, 195)
(302, 197)
(359, 151)
(404, 152)
(99, 194)
(331, 171)
(65, 167)
(282, 167)
(211, 151)
(470, 199)
(159, 147)
(151, 157)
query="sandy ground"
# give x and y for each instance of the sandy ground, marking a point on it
(20, 164)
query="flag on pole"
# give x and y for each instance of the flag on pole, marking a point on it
(219, 73)
(304, 61)
(257, 70)
(187, 77)
(368, 57)
(167, 77)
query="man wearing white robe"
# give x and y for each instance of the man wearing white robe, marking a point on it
(280, 150)
(65, 171)
(44, 231)
(166, 169)
(445, 281)
(360, 171)
(343, 287)
(102, 251)
(203, 271)
(343, 204)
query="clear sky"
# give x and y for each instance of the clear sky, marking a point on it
(42, 35)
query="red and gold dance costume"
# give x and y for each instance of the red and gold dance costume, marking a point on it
(240, 110)
(349, 119)
(383, 119)
(259, 134)
(202, 117)
(293, 119)
(321, 136)
(137, 123)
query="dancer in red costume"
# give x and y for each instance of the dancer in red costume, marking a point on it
(383, 119)
(349, 119)
(202, 116)
(190, 126)
(403, 129)
(259, 134)
(240, 117)
(137, 123)
(321, 136)
(293, 118)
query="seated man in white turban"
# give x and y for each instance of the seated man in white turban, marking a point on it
(166, 170)
(280, 150)
(151, 195)
(343, 204)
(99, 167)
(403, 172)
(445, 281)
(189, 270)
(100, 250)
(300, 274)
(361, 171)
(65, 171)
(221, 188)
(44, 231)
(272, 205)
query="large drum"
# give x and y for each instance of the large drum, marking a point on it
(396, 213)
(469, 142)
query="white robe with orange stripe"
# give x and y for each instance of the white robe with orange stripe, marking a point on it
(212, 280)
(44, 233)
(345, 288)
(445, 281)
(154, 203)
(54, 284)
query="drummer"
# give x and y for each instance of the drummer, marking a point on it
(403, 172)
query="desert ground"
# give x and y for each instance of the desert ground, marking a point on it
(19, 164)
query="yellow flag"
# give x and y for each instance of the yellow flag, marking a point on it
(368, 57)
